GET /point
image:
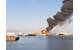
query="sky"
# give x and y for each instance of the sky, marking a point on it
(25, 15)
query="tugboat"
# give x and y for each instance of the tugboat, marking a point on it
(61, 35)
(10, 37)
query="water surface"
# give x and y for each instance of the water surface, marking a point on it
(41, 43)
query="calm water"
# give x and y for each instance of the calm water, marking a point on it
(41, 43)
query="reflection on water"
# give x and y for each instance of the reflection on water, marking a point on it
(60, 44)
(41, 43)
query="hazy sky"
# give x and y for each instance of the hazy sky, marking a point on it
(23, 15)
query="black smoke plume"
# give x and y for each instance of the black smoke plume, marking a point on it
(66, 12)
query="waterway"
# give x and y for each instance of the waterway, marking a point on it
(41, 43)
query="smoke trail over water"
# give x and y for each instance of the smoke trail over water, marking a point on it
(66, 12)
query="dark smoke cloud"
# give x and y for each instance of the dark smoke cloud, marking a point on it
(66, 12)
